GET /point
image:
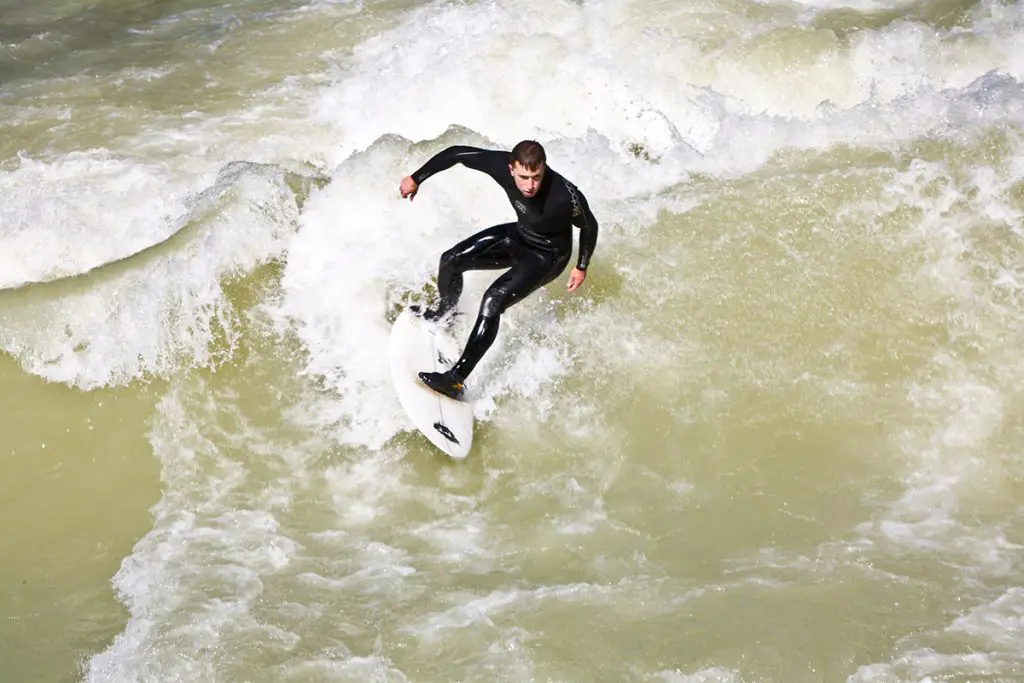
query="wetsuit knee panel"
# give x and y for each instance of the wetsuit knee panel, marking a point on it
(449, 258)
(495, 301)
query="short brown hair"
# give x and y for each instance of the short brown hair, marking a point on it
(529, 154)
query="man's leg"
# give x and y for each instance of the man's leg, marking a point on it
(532, 271)
(489, 249)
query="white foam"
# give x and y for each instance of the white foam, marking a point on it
(709, 675)
(382, 570)
(338, 664)
(996, 626)
(193, 583)
(597, 111)
(462, 541)
(508, 658)
(866, 6)
(639, 86)
(627, 114)
(168, 310)
(485, 610)
(942, 465)
(364, 489)
(58, 223)
(984, 643)
(961, 403)
(353, 247)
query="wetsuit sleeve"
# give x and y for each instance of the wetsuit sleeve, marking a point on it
(583, 219)
(491, 162)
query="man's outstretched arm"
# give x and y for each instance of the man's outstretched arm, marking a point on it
(491, 162)
(583, 219)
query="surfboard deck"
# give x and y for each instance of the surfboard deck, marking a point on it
(417, 345)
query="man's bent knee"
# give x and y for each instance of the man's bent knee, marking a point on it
(449, 260)
(494, 303)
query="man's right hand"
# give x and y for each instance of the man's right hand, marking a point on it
(408, 187)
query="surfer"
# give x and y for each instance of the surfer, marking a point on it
(535, 248)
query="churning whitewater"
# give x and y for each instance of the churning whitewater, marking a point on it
(774, 437)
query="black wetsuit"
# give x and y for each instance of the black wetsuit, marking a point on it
(535, 249)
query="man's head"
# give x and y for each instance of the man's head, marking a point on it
(527, 165)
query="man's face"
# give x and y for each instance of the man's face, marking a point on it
(528, 181)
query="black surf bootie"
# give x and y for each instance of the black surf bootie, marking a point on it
(439, 317)
(447, 383)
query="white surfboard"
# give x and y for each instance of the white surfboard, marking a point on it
(419, 346)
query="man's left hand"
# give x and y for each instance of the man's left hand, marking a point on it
(576, 278)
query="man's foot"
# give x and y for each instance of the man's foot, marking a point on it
(444, 318)
(447, 383)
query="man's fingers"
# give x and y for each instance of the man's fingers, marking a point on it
(576, 279)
